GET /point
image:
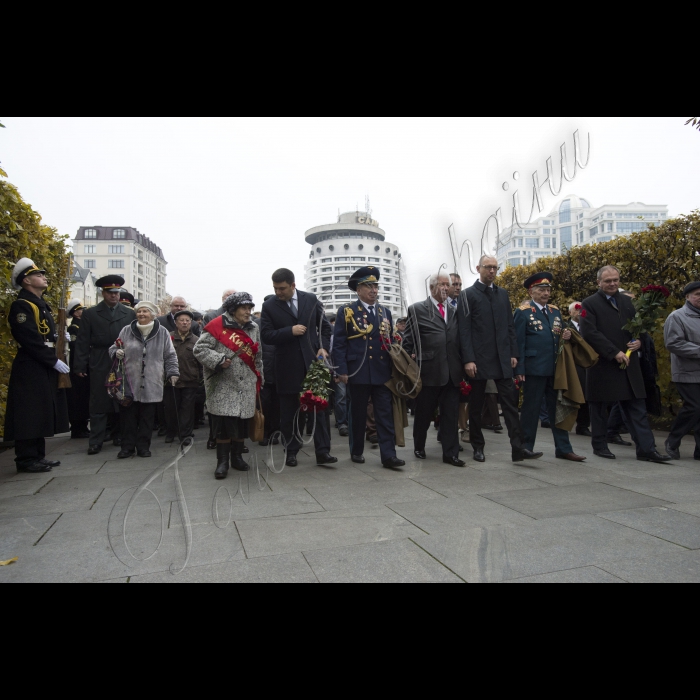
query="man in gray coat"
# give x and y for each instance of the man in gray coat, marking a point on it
(682, 334)
(432, 337)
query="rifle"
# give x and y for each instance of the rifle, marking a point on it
(64, 381)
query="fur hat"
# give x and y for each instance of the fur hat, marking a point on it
(235, 301)
(147, 305)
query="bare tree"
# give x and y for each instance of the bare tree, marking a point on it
(695, 121)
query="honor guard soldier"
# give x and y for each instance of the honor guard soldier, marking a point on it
(100, 327)
(362, 338)
(79, 393)
(540, 328)
(36, 407)
(127, 299)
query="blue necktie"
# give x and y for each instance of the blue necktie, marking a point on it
(372, 317)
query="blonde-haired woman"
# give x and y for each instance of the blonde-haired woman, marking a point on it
(149, 355)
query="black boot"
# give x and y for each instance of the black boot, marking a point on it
(223, 454)
(237, 461)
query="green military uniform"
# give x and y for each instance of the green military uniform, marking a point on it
(538, 330)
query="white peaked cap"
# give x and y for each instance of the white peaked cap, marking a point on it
(21, 268)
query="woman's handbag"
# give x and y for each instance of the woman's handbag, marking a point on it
(256, 426)
(118, 384)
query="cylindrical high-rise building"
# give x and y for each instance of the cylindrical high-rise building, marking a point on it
(340, 249)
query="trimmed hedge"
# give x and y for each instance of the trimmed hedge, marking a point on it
(667, 254)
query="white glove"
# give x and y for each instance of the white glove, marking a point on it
(174, 380)
(68, 338)
(61, 367)
(121, 354)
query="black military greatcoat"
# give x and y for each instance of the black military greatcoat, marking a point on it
(79, 394)
(602, 330)
(487, 331)
(36, 407)
(99, 329)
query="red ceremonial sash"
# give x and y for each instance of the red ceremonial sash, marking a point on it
(237, 341)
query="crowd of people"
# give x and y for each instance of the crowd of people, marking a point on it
(461, 360)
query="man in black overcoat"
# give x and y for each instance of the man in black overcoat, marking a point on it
(168, 321)
(268, 394)
(36, 407)
(432, 337)
(79, 393)
(606, 314)
(100, 328)
(292, 322)
(490, 352)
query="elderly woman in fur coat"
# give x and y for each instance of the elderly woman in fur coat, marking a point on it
(230, 352)
(149, 355)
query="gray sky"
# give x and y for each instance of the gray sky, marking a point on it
(230, 198)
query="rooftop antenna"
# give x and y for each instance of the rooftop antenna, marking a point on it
(368, 207)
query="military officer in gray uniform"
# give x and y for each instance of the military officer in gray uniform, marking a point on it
(100, 328)
(36, 407)
(539, 328)
(363, 334)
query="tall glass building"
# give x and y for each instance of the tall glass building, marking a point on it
(339, 249)
(575, 222)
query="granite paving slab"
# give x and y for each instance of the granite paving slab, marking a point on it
(26, 506)
(262, 538)
(559, 501)
(413, 470)
(19, 534)
(288, 568)
(502, 553)
(470, 482)
(95, 482)
(560, 474)
(664, 523)
(457, 513)
(687, 507)
(10, 489)
(589, 574)
(375, 493)
(682, 567)
(296, 479)
(381, 562)
(671, 489)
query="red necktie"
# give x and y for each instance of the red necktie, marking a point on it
(442, 310)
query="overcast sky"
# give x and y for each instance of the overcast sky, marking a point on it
(229, 199)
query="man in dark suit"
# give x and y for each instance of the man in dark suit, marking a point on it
(362, 337)
(540, 328)
(490, 352)
(100, 328)
(583, 423)
(432, 337)
(168, 321)
(291, 322)
(607, 312)
(268, 394)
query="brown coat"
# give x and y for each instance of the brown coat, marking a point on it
(405, 384)
(191, 376)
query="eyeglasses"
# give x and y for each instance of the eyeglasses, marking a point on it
(491, 268)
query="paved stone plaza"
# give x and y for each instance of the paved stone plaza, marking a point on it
(546, 522)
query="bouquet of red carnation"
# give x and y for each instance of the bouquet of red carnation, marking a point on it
(583, 311)
(315, 394)
(651, 307)
(465, 388)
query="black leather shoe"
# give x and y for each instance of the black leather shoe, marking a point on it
(394, 463)
(584, 432)
(461, 449)
(479, 456)
(493, 428)
(292, 462)
(118, 442)
(325, 460)
(211, 444)
(48, 463)
(223, 461)
(264, 443)
(518, 456)
(237, 461)
(145, 454)
(34, 469)
(245, 450)
(605, 454)
(125, 455)
(344, 432)
(532, 455)
(420, 454)
(374, 440)
(94, 450)
(656, 457)
(358, 459)
(275, 442)
(169, 440)
(546, 425)
(617, 440)
(673, 454)
(162, 432)
(454, 462)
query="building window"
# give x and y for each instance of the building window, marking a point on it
(547, 243)
(90, 264)
(565, 212)
(90, 249)
(140, 269)
(594, 232)
(631, 228)
(520, 243)
(90, 233)
(118, 233)
(326, 260)
(326, 269)
(359, 259)
(372, 259)
(342, 260)
(116, 250)
(116, 265)
(532, 243)
(326, 279)
(140, 284)
(610, 228)
(566, 237)
(554, 242)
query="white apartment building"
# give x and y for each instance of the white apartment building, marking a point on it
(107, 250)
(575, 222)
(341, 249)
(84, 287)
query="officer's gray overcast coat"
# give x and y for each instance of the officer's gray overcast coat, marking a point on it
(98, 331)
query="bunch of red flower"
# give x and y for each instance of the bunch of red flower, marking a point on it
(656, 289)
(583, 311)
(311, 402)
(465, 388)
